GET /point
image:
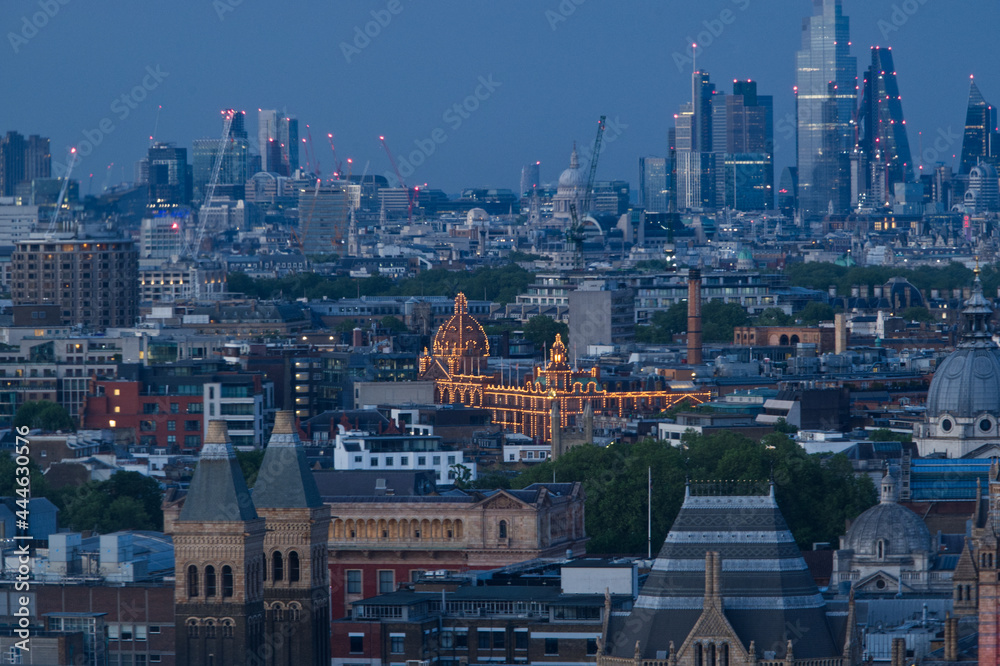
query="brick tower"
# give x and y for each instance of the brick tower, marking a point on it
(218, 563)
(296, 584)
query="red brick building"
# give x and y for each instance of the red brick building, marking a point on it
(376, 543)
(171, 422)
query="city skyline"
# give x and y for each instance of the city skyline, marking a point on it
(521, 104)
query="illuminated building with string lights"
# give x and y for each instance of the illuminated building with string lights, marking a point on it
(458, 366)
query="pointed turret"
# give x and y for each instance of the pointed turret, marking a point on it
(218, 491)
(284, 480)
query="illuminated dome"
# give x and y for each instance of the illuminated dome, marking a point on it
(461, 335)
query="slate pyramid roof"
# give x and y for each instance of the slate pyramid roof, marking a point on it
(765, 591)
(285, 480)
(218, 491)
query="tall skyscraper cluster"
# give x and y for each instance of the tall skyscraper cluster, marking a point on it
(722, 148)
(22, 160)
(278, 141)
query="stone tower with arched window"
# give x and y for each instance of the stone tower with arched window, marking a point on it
(218, 557)
(296, 581)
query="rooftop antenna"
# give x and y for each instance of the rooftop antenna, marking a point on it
(152, 137)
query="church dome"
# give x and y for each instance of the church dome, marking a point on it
(887, 529)
(967, 383)
(461, 335)
(573, 177)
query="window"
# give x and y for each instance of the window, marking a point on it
(278, 566)
(357, 643)
(113, 631)
(396, 643)
(451, 460)
(150, 408)
(389, 461)
(126, 632)
(502, 531)
(551, 646)
(520, 639)
(293, 567)
(354, 581)
(435, 460)
(404, 460)
(462, 638)
(195, 408)
(373, 462)
(192, 441)
(191, 426)
(422, 461)
(210, 581)
(140, 632)
(154, 628)
(171, 425)
(192, 581)
(386, 581)
(175, 408)
(591, 646)
(227, 581)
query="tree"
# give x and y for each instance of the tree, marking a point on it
(718, 320)
(816, 495)
(250, 462)
(392, 324)
(918, 314)
(126, 501)
(774, 317)
(664, 325)
(542, 329)
(8, 477)
(814, 312)
(886, 435)
(44, 415)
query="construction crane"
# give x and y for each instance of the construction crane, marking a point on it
(62, 192)
(312, 147)
(575, 235)
(337, 164)
(227, 125)
(392, 160)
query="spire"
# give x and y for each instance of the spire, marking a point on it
(976, 314)
(888, 488)
(218, 491)
(461, 304)
(285, 480)
(574, 159)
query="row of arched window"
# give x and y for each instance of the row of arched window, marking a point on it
(219, 583)
(210, 628)
(373, 530)
(963, 593)
(279, 613)
(211, 583)
(711, 654)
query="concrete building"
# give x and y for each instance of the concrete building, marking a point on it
(91, 281)
(17, 223)
(600, 312)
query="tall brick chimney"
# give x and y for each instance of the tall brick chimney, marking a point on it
(694, 317)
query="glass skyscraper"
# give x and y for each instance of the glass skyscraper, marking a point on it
(653, 191)
(981, 141)
(882, 156)
(826, 91)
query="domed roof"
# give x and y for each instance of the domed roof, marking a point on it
(476, 215)
(899, 530)
(967, 382)
(461, 335)
(901, 294)
(573, 177)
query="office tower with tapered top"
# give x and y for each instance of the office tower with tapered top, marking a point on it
(881, 157)
(826, 83)
(744, 142)
(981, 141)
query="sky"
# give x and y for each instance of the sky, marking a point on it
(465, 92)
